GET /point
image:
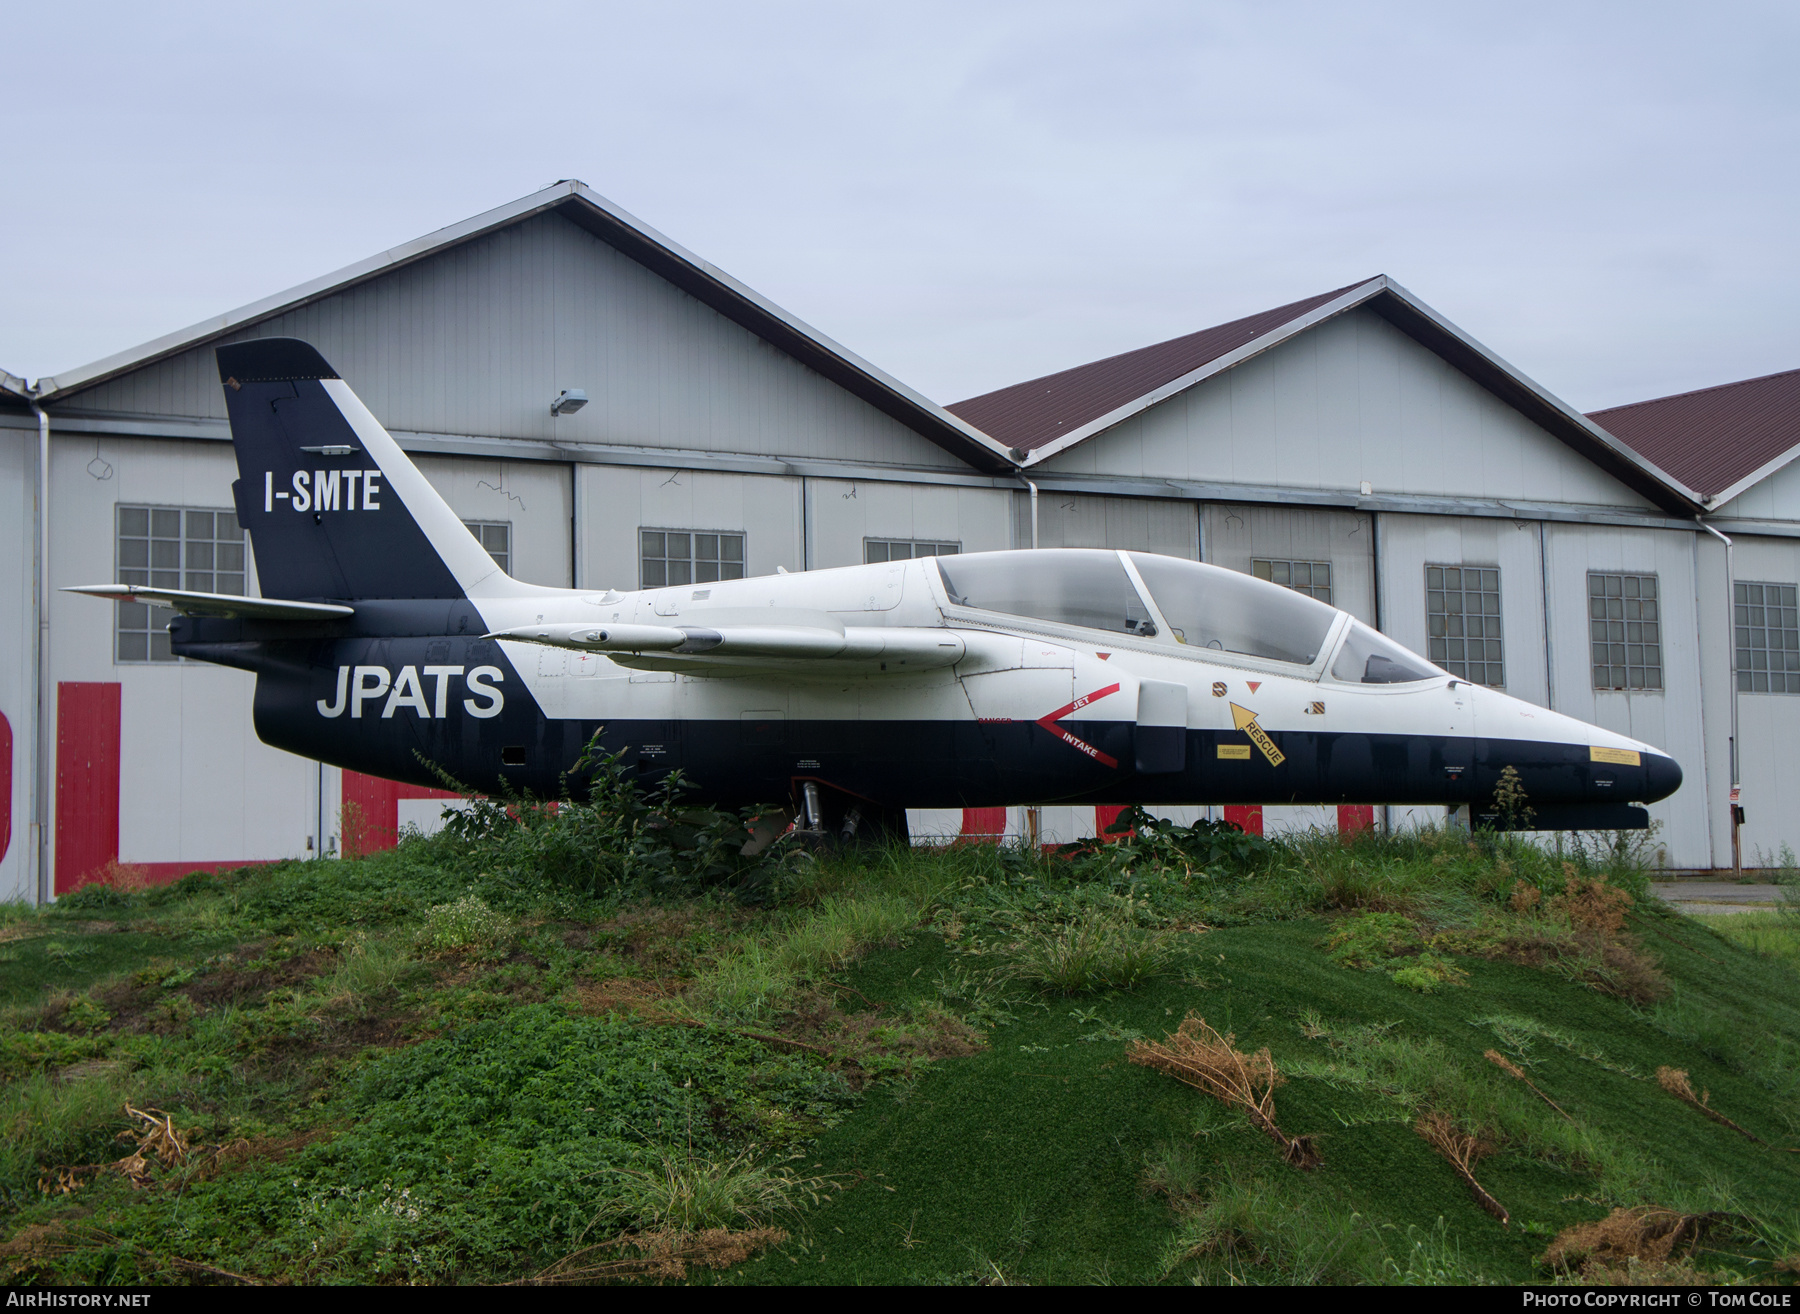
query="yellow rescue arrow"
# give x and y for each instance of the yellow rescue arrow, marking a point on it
(1245, 720)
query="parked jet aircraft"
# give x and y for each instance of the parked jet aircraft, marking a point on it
(387, 638)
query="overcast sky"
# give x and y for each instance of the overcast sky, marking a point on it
(966, 194)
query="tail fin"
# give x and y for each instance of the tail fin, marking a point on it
(334, 508)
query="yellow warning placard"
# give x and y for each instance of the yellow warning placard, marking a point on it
(1617, 756)
(1245, 720)
(1235, 752)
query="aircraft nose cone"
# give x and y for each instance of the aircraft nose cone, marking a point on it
(1662, 776)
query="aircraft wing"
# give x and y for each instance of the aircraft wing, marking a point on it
(743, 649)
(216, 604)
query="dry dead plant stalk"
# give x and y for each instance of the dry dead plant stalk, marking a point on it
(665, 1253)
(1675, 1081)
(1463, 1151)
(156, 1139)
(1511, 1069)
(1201, 1057)
(1646, 1234)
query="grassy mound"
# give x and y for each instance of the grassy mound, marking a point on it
(594, 1044)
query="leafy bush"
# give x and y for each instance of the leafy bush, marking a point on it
(607, 831)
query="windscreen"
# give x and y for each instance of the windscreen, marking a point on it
(1210, 607)
(1370, 657)
(1071, 586)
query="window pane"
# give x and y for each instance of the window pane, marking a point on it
(1768, 637)
(874, 551)
(1069, 586)
(199, 524)
(1463, 602)
(165, 524)
(1370, 657)
(1209, 607)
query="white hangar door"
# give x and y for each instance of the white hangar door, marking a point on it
(1322, 552)
(518, 509)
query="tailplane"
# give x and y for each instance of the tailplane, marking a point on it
(334, 508)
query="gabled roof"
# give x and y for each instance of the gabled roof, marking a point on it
(1042, 417)
(1718, 440)
(1030, 415)
(577, 202)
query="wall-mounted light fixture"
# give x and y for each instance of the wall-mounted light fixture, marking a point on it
(568, 401)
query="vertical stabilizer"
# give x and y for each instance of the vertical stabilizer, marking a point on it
(334, 508)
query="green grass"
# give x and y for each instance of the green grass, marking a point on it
(1772, 934)
(469, 1058)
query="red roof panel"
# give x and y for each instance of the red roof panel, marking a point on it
(1712, 438)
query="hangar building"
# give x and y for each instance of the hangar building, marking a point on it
(1355, 445)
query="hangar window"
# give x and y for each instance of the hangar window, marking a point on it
(1070, 586)
(1768, 638)
(684, 556)
(1313, 578)
(904, 549)
(172, 548)
(496, 537)
(1625, 628)
(1211, 607)
(1462, 616)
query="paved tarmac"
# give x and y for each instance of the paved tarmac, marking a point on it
(1718, 896)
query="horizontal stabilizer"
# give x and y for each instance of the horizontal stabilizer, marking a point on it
(693, 647)
(216, 604)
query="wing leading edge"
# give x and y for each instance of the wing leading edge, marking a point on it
(795, 649)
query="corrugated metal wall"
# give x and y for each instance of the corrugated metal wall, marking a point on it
(477, 340)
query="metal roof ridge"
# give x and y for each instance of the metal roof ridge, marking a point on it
(1354, 297)
(1363, 294)
(742, 290)
(1610, 442)
(1749, 481)
(545, 199)
(1149, 346)
(1692, 392)
(265, 307)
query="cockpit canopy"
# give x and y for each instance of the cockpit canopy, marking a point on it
(1203, 607)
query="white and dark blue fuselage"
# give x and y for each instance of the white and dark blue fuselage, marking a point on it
(388, 642)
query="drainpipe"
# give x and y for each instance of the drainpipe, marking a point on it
(1737, 851)
(1034, 816)
(40, 727)
(1549, 648)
